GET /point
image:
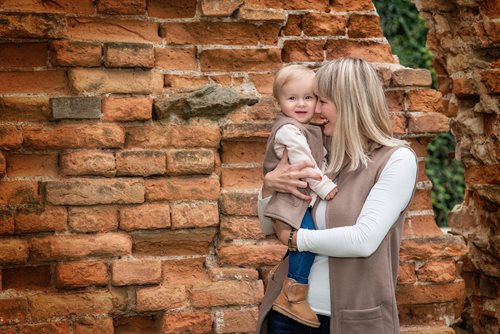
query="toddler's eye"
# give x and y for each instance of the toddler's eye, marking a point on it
(292, 98)
(309, 97)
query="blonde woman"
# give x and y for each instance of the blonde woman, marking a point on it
(353, 278)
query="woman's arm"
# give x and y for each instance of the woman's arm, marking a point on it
(385, 202)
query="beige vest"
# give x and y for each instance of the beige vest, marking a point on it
(282, 206)
(362, 289)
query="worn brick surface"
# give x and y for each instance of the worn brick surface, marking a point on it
(93, 219)
(75, 107)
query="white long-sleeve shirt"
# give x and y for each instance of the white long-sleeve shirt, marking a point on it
(290, 137)
(385, 202)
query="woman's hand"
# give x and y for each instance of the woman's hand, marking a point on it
(282, 231)
(287, 178)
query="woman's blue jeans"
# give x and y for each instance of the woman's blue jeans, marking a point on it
(280, 324)
(300, 263)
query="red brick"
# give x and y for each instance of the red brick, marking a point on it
(463, 87)
(244, 320)
(161, 298)
(13, 251)
(145, 217)
(129, 55)
(241, 178)
(125, 81)
(27, 278)
(432, 247)
(8, 330)
(3, 164)
(23, 54)
(24, 108)
(194, 214)
(13, 310)
(92, 326)
(430, 293)
(148, 136)
(302, 50)
(424, 100)
(291, 4)
(76, 304)
(429, 122)
(263, 83)
(437, 272)
(93, 219)
(75, 53)
(395, 100)
(411, 77)
(235, 273)
(190, 161)
(143, 163)
(197, 33)
(293, 25)
(68, 136)
(6, 223)
(32, 165)
(112, 30)
(406, 273)
(136, 272)
(33, 82)
(321, 24)
(61, 6)
(174, 243)
(188, 189)
(234, 227)
(196, 134)
(136, 324)
(419, 145)
(19, 192)
(237, 60)
(47, 219)
(88, 163)
(228, 80)
(67, 247)
(121, 7)
(175, 58)
(422, 200)
(47, 328)
(398, 123)
(421, 226)
(243, 152)
(10, 137)
(225, 293)
(197, 322)
(219, 8)
(247, 131)
(352, 5)
(367, 50)
(251, 255)
(239, 202)
(252, 13)
(127, 108)
(184, 271)
(482, 174)
(31, 25)
(364, 26)
(172, 8)
(185, 82)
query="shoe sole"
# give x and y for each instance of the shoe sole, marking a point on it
(290, 315)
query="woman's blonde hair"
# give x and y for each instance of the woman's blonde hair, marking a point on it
(362, 114)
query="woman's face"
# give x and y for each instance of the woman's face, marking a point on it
(328, 112)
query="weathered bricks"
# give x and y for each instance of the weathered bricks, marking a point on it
(127, 108)
(226, 293)
(196, 188)
(93, 219)
(187, 322)
(129, 55)
(143, 163)
(136, 272)
(162, 298)
(24, 108)
(81, 274)
(174, 243)
(27, 278)
(145, 217)
(88, 163)
(127, 7)
(28, 25)
(13, 251)
(19, 192)
(25, 165)
(192, 214)
(23, 54)
(190, 161)
(49, 219)
(75, 53)
(75, 107)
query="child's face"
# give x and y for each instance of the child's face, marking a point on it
(297, 99)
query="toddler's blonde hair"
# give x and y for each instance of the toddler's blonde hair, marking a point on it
(289, 73)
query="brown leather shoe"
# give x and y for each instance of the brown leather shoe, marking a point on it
(292, 302)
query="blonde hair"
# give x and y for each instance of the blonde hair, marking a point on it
(289, 73)
(362, 114)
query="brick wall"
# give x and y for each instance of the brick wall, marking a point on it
(465, 38)
(132, 135)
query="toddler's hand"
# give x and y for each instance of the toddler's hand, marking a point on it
(331, 194)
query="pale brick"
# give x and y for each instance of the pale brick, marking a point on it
(93, 219)
(174, 243)
(69, 136)
(143, 163)
(184, 271)
(190, 161)
(251, 255)
(82, 107)
(65, 247)
(47, 219)
(411, 77)
(88, 163)
(81, 274)
(175, 59)
(145, 217)
(14, 251)
(95, 191)
(136, 272)
(239, 202)
(161, 298)
(321, 5)
(129, 55)
(32, 165)
(421, 226)
(186, 189)
(234, 227)
(102, 81)
(194, 214)
(197, 322)
(219, 8)
(247, 131)
(75, 53)
(127, 108)
(243, 320)
(251, 13)
(225, 293)
(236, 273)
(429, 122)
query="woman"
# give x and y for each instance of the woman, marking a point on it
(353, 278)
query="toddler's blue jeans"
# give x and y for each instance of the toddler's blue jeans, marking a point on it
(300, 263)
